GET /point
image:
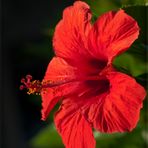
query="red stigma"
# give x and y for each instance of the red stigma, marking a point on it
(34, 86)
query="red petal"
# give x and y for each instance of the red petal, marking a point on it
(118, 111)
(70, 39)
(70, 34)
(74, 129)
(113, 33)
(58, 70)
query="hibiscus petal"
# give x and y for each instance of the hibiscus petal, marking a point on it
(70, 34)
(58, 71)
(113, 33)
(76, 132)
(119, 110)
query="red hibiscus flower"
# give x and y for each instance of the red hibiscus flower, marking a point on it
(93, 93)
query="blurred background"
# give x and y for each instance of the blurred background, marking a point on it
(27, 30)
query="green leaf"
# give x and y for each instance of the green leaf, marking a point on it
(47, 138)
(100, 6)
(133, 139)
(127, 3)
(133, 62)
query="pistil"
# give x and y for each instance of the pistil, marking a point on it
(36, 86)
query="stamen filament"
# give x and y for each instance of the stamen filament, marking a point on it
(35, 87)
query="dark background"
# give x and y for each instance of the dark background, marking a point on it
(23, 27)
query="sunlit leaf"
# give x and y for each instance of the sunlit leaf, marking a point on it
(100, 6)
(47, 138)
(133, 62)
(132, 139)
(134, 2)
